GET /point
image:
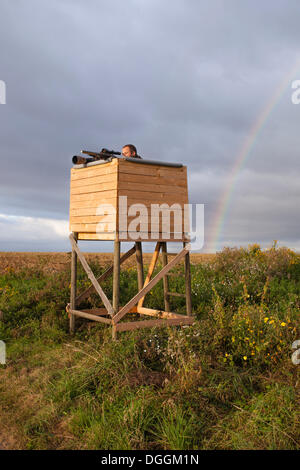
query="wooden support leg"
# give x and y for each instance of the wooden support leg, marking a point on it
(114, 332)
(116, 282)
(73, 286)
(139, 264)
(150, 270)
(165, 278)
(91, 276)
(188, 284)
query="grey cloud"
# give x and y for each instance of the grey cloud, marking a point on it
(185, 83)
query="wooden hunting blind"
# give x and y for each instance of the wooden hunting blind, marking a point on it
(130, 200)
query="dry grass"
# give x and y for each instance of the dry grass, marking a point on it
(217, 384)
(57, 262)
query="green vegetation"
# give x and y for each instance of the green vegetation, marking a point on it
(227, 382)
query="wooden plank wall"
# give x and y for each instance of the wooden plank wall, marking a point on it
(146, 184)
(153, 184)
(90, 187)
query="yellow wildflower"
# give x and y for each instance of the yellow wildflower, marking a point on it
(283, 324)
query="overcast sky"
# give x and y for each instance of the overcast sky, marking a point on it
(185, 81)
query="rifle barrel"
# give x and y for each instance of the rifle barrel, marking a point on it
(94, 154)
(103, 155)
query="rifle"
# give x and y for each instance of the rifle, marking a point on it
(103, 155)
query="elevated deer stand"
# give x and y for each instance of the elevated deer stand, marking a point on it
(141, 181)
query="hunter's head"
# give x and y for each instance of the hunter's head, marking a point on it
(129, 150)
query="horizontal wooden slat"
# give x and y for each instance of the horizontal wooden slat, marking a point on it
(94, 188)
(171, 172)
(149, 204)
(178, 180)
(143, 237)
(94, 180)
(157, 313)
(96, 311)
(92, 201)
(96, 170)
(139, 169)
(84, 211)
(88, 210)
(92, 204)
(110, 197)
(124, 218)
(136, 194)
(147, 237)
(153, 170)
(94, 212)
(88, 316)
(92, 219)
(99, 196)
(87, 228)
(129, 168)
(151, 197)
(153, 228)
(152, 188)
(110, 225)
(96, 236)
(92, 228)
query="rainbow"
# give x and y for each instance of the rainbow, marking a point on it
(243, 154)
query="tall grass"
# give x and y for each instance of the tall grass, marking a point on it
(227, 382)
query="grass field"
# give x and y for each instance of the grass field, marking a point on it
(227, 382)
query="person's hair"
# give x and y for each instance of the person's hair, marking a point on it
(132, 148)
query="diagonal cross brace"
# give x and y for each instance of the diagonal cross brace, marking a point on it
(91, 276)
(149, 286)
(150, 270)
(105, 275)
